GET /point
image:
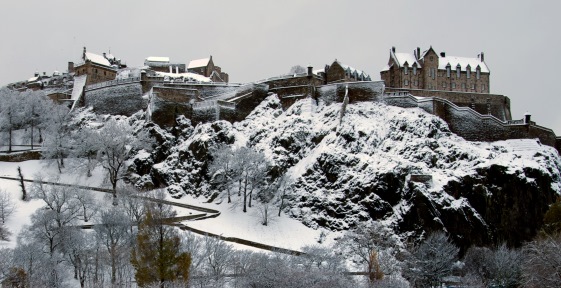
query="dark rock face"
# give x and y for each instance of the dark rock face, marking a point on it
(357, 169)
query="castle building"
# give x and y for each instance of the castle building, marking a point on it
(207, 68)
(338, 72)
(98, 68)
(431, 71)
(163, 64)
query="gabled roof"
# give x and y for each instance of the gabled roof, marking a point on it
(401, 58)
(454, 61)
(98, 59)
(157, 59)
(353, 70)
(198, 63)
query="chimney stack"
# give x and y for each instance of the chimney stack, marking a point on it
(418, 53)
(84, 54)
(527, 118)
(393, 49)
(310, 71)
(70, 67)
(482, 57)
(442, 54)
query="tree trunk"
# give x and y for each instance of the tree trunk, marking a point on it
(245, 196)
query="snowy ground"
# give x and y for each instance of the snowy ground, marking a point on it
(282, 232)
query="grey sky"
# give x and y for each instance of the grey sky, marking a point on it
(252, 40)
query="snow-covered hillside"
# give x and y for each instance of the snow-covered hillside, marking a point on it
(358, 167)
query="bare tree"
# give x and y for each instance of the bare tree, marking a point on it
(222, 169)
(7, 205)
(365, 245)
(283, 188)
(114, 235)
(498, 267)
(115, 143)
(432, 260)
(57, 135)
(10, 113)
(542, 262)
(87, 203)
(297, 69)
(252, 167)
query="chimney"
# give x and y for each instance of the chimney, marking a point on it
(482, 57)
(36, 74)
(104, 55)
(84, 54)
(527, 118)
(44, 73)
(70, 67)
(393, 49)
(442, 54)
(310, 72)
(418, 53)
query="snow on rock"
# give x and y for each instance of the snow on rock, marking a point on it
(356, 169)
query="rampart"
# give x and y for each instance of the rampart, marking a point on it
(472, 125)
(494, 104)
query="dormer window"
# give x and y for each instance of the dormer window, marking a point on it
(406, 69)
(478, 72)
(458, 71)
(468, 71)
(415, 69)
(448, 70)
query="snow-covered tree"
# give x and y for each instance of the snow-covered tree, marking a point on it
(113, 234)
(432, 260)
(222, 169)
(541, 265)
(56, 144)
(371, 245)
(11, 113)
(499, 267)
(252, 168)
(297, 69)
(115, 143)
(7, 205)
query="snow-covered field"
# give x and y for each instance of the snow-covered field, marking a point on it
(283, 232)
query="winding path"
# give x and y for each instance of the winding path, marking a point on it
(175, 221)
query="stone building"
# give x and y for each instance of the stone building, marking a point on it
(431, 71)
(338, 72)
(98, 68)
(207, 68)
(163, 64)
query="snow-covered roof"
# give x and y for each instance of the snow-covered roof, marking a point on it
(402, 58)
(353, 70)
(79, 83)
(157, 59)
(463, 62)
(194, 76)
(198, 63)
(33, 79)
(98, 59)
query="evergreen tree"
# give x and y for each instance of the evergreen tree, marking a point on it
(157, 257)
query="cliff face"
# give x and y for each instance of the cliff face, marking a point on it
(358, 167)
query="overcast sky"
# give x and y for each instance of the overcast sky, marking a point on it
(252, 40)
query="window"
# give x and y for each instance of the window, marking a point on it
(430, 85)
(463, 86)
(468, 72)
(453, 85)
(405, 69)
(432, 73)
(414, 69)
(473, 86)
(448, 72)
(406, 82)
(478, 72)
(482, 87)
(458, 71)
(416, 83)
(443, 84)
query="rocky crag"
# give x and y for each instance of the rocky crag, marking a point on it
(400, 166)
